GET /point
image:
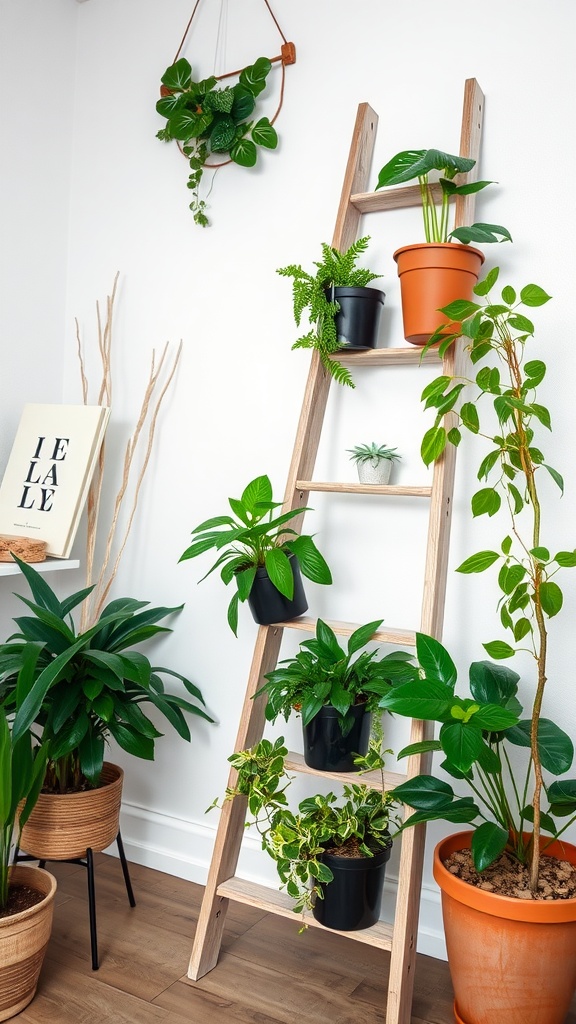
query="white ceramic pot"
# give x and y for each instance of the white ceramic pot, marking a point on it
(375, 471)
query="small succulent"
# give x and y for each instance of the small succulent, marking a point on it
(372, 453)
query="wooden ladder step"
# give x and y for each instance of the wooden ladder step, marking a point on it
(272, 901)
(296, 763)
(344, 487)
(413, 356)
(403, 637)
(391, 198)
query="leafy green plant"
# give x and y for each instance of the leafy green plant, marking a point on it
(297, 840)
(82, 688)
(497, 333)
(373, 452)
(324, 673)
(418, 163)
(257, 538)
(205, 119)
(312, 292)
(22, 767)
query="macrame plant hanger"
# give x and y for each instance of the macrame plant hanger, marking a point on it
(286, 56)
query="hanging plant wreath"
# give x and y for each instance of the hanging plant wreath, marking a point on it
(207, 119)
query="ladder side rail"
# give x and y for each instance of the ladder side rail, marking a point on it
(318, 385)
(211, 920)
(403, 955)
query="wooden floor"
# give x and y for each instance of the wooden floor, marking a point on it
(267, 973)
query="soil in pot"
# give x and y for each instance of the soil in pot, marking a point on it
(507, 877)
(268, 605)
(358, 319)
(326, 748)
(21, 897)
(353, 898)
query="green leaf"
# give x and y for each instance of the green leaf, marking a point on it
(555, 746)
(508, 295)
(488, 842)
(454, 436)
(565, 558)
(244, 103)
(280, 572)
(254, 77)
(245, 582)
(264, 134)
(533, 295)
(562, 797)
(535, 369)
(516, 498)
(541, 413)
(555, 476)
(462, 743)
(433, 444)
(551, 598)
(486, 502)
(425, 699)
(540, 554)
(460, 309)
(521, 323)
(178, 76)
(424, 793)
(362, 635)
(484, 286)
(222, 134)
(257, 491)
(492, 684)
(312, 564)
(499, 649)
(233, 614)
(478, 562)
(521, 629)
(469, 417)
(244, 152)
(435, 660)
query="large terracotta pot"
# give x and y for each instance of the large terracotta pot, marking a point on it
(23, 941)
(431, 276)
(63, 826)
(512, 961)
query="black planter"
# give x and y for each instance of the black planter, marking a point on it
(326, 749)
(352, 899)
(358, 319)
(268, 605)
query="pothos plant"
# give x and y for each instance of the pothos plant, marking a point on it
(208, 119)
(296, 840)
(498, 331)
(314, 293)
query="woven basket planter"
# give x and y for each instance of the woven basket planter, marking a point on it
(23, 941)
(63, 826)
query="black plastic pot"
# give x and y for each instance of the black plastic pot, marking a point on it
(352, 899)
(268, 605)
(326, 749)
(358, 320)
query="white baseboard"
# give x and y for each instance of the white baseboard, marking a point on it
(184, 848)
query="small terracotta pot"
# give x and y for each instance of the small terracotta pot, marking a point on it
(431, 276)
(512, 961)
(23, 941)
(63, 826)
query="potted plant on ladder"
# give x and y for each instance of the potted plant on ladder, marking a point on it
(438, 271)
(512, 952)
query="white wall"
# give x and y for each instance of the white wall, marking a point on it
(234, 410)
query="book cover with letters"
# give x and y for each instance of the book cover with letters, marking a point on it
(46, 482)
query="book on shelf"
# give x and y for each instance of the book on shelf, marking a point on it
(49, 470)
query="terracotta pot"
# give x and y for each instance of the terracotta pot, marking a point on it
(512, 961)
(431, 276)
(23, 941)
(63, 826)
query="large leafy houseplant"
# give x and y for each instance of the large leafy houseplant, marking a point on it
(419, 163)
(324, 673)
(79, 689)
(296, 840)
(254, 537)
(206, 119)
(313, 292)
(498, 332)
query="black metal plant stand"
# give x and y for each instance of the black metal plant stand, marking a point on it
(88, 863)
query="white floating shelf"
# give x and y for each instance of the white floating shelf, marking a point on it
(50, 565)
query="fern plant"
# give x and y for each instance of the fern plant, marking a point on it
(314, 292)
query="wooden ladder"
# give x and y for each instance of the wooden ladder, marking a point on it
(223, 885)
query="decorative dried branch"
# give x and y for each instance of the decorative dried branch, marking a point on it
(144, 431)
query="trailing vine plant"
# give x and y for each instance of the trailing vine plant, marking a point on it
(205, 119)
(498, 331)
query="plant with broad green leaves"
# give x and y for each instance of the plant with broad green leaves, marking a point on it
(373, 453)
(257, 538)
(497, 332)
(322, 824)
(476, 735)
(206, 120)
(312, 292)
(81, 688)
(324, 673)
(418, 163)
(22, 766)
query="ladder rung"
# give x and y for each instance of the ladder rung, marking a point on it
(412, 356)
(296, 763)
(391, 199)
(404, 637)
(343, 487)
(275, 902)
